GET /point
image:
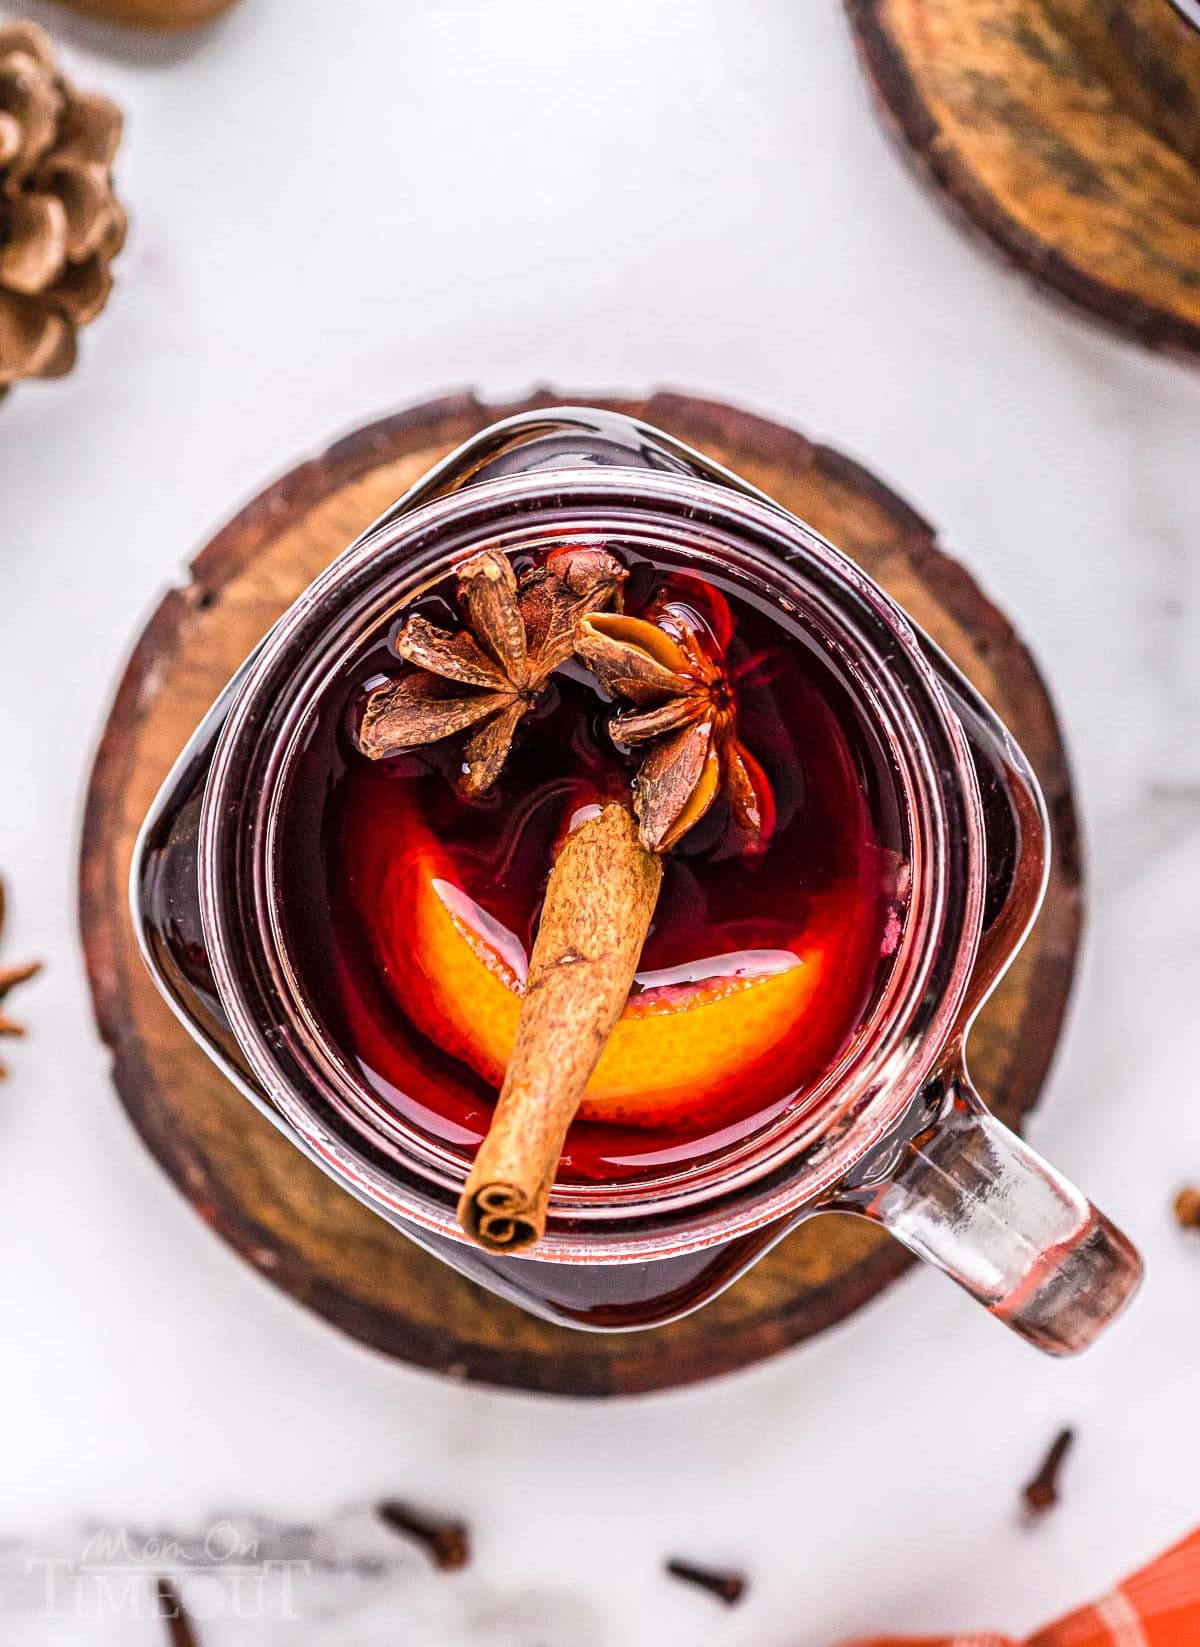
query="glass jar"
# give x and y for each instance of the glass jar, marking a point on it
(896, 1133)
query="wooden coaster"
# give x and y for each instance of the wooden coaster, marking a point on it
(1068, 132)
(266, 1199)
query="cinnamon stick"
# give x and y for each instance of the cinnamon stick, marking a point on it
(599, 903)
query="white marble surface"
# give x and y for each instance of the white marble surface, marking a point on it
(341, 207)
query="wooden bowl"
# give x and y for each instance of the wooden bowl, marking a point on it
(153, 14)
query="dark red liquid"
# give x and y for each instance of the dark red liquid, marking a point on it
(376, 857)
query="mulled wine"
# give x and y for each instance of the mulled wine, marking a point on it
(658, 815)
(410, 904)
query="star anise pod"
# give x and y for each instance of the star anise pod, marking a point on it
(10, 977)
(684, 709)
(487, 675)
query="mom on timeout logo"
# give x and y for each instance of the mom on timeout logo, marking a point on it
(118, 1574)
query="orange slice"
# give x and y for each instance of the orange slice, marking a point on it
(684, 1048)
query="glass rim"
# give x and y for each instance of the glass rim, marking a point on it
(789, 1164)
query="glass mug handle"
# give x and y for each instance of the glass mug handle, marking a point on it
(969, 1196)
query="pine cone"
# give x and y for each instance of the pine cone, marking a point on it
(60, 224)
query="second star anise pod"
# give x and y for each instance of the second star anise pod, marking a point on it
(484, 677)
(684, 709)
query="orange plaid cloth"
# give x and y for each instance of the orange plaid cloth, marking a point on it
(1158, 1607)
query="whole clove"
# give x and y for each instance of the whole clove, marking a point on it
(1187, 1208)
(448, 1542)
(11, 977)
(727, 1586)
(180, 1630)
(1041, 1493)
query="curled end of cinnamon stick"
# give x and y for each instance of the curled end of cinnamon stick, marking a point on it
(599, 902)
(501, 1217)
